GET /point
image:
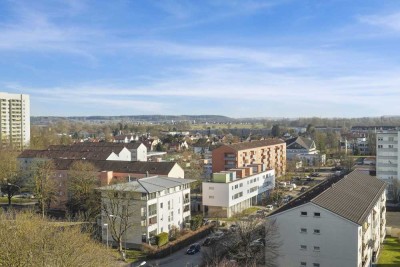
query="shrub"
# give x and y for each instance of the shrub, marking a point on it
(162, 239)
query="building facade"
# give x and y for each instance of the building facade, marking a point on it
(231, 192)
(387, 159)
(14, 120)
(271, 152)
(154, 205)
(338, 223)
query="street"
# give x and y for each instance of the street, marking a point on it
(178, 259)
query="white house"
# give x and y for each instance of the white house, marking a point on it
(340, 222)
(233, 191)
(153, 205)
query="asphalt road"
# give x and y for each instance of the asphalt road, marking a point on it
(178, 259)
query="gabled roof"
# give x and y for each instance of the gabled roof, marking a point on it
(254, 144)
(351, 197)
(85, 150)
(156, 168)
(302, 141)
(148, 184)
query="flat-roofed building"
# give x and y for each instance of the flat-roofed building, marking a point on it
(15, 120)
(231, 192)
(271, 152)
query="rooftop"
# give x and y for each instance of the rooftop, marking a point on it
(159, 168)
(351, 196)
(302, 141)
(148, 184)
(254, 144)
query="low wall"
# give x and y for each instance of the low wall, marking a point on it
(393, 231)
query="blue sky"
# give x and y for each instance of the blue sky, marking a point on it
(277, 58)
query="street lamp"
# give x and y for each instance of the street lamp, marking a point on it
(106, 225)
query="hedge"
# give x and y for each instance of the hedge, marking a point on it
(162, 239)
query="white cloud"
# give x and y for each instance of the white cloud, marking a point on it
(391, 21)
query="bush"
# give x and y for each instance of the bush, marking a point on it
(162, 239)
(196, 222)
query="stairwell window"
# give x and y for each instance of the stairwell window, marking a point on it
(303, 213)
(317, 231)
(317, 214)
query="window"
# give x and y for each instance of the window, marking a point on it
(317, 214)
(316, 264)
(317, 231)
(316, 248)
(211, 188)
(303, 263)
(161, 205)
(304, 213)
(391, 139)
(380, 146)
(380, 138)
(169, 205)
(303, 230)
(303, 247)
(390, 146)
(211, 197)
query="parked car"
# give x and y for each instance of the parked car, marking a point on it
(269, 207)
(27, 195)
(193, 249)
(303, 189)
(315, 174)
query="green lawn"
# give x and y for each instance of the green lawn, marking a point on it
(390, 253)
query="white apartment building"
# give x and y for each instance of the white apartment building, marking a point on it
(235, 190)
(387, 158)
(153, 205)
(340, 222)
(15, 121)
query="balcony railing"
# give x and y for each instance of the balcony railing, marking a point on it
(152, 212)
(186, 201)
(152, 221)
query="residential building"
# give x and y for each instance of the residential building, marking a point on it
(231, 192)
(15, 120)
(299, 145)
(340, 222)
(387, 160)
(125, 138)
(156, 204)
(271, 152)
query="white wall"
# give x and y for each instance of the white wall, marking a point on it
(220, 194)
(177, 172)
(338, 239)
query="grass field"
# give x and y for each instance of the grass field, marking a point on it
(390, 253)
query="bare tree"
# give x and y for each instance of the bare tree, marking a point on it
(44, 184)
(118, 206)
(11, 178)
(83, 199)
(253, 243)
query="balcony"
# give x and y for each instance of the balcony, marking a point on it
(186, 209)
(186, 201)
(152, 221)
(152, 213)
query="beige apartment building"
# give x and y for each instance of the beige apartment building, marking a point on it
(271, 152)
(14, 120)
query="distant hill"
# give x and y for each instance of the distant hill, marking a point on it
(135, 118)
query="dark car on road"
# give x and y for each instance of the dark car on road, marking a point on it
(193, 249)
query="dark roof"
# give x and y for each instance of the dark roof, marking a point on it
(160, 168)
(351, 197)
(302, 141)
(86, 150)
(254, 144)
